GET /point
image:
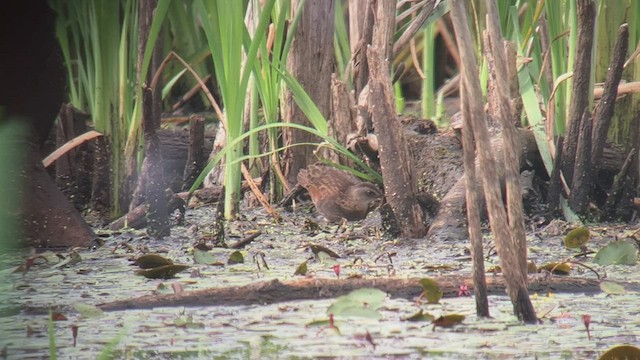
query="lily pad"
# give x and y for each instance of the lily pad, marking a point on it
(302, 269)
(359, 303)
(618, 252)
(318, 249)
(236, 257)
(557, 268)
(187, 323)
(204, 257)
(612, 288)
(150, 261)
(88, 311)
(577, 238)
(420, 316)
(431, 291)
(448, 321)
(326, 258)
(163, 272)
(163, 289)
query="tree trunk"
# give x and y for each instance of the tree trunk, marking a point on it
(581, 78)
(399, 180)
(604, 111)
(361, 20)
(151, 181)
(311, 63)
(342, 122)
(582, 171)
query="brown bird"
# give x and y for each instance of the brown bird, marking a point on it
(338, 194)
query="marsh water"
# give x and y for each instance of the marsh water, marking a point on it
(299, 329)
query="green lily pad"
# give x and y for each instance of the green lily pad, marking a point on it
(317, 249)
(326, 258)
(236, 257)
(612, 288)
(431, 291)
(88, 311)
(577, 238)
(618, 252)
(557, 268)
(163, 289)
(359, 303)
(302, 269)
(163, 272)
(150, 261)
(204, 257)
(187, 323)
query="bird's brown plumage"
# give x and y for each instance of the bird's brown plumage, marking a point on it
(338, 194)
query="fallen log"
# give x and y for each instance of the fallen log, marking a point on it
(274, 291)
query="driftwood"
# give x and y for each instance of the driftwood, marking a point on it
(136, 218)
(342, 121)
(274, 291)
(212, 194)
(602, 117)
(183, 157)
(450, 221)
(361, 28)
(100, 199)
(585, 141)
